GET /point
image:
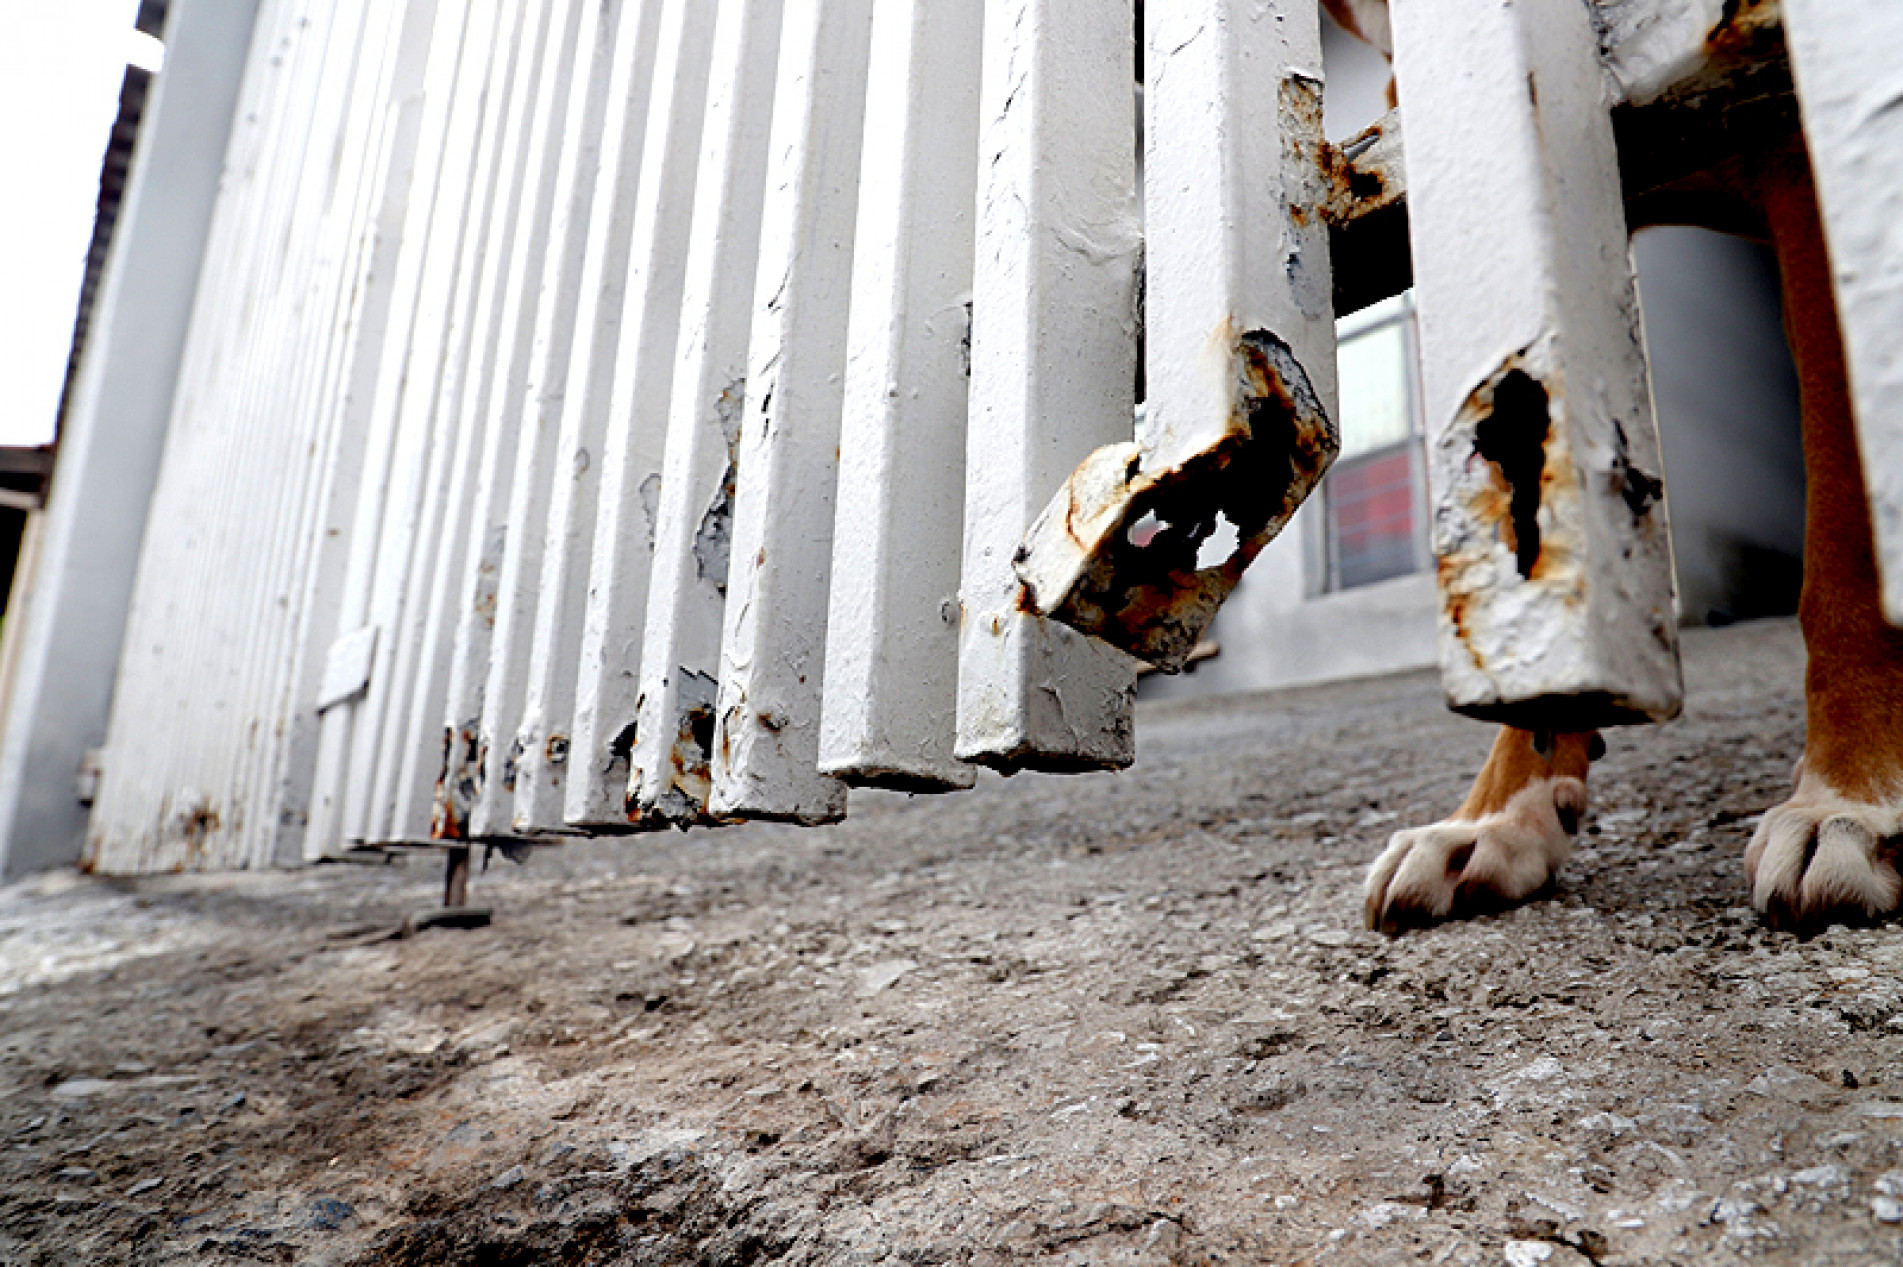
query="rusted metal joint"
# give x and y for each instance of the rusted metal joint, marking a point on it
(1142, 555)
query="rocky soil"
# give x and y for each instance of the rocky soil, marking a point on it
(1123, 1019)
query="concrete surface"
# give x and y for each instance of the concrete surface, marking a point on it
(1111, 1019)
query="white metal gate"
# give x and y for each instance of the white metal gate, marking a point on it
(608, 414)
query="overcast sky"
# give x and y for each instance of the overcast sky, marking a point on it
(61, 65)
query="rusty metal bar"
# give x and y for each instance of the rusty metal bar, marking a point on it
(670, 738)
(1145, 540)
(773, 640)
(1554, 559)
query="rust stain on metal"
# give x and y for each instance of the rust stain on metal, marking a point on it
(1298, 102)
(1146, 583)
(1360, 175)
(1510, 434)
(1509, 419)
(555, 750)
(1746, 28)
(456, 789)
(1362, 194)
(196, 825)
(1521, 468)
(689, 777)
(1454, 602)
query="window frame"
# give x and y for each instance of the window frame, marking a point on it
(1323, 549)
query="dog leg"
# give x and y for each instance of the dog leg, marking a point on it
(1501, 847)
(1830, 853)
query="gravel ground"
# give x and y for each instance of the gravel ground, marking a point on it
(1111, 1019)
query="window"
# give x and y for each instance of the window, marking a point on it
(1374, 496)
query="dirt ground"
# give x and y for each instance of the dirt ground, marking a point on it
(1123, 1019)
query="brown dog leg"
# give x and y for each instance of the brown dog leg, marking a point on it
(1830, 853)
(1501, 847)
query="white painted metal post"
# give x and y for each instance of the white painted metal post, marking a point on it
(773, 642)
(132, 819)
(1844, 56)
(680, 651)
(891, 673)
(503, 341)
(544, 299)
(448, 381)
(1550, 525)
(1146, 540)
(1053, 367)
(394, 116)
(546, 736)
(641, 361)
(421, 352)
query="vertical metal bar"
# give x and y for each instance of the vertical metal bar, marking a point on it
(517, 514)
(538, 461)
(546, 738)
(1844, 59)
(502, 355)
(1146, 540)
(1053, 367)
(456, 877)
(383, 289)
(639, 346)
(434, 327)
(773, 641)
(891, 673)
(1550, 526)
(672, 732)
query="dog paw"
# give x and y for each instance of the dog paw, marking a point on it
(1464, 867)
(1821, 858)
